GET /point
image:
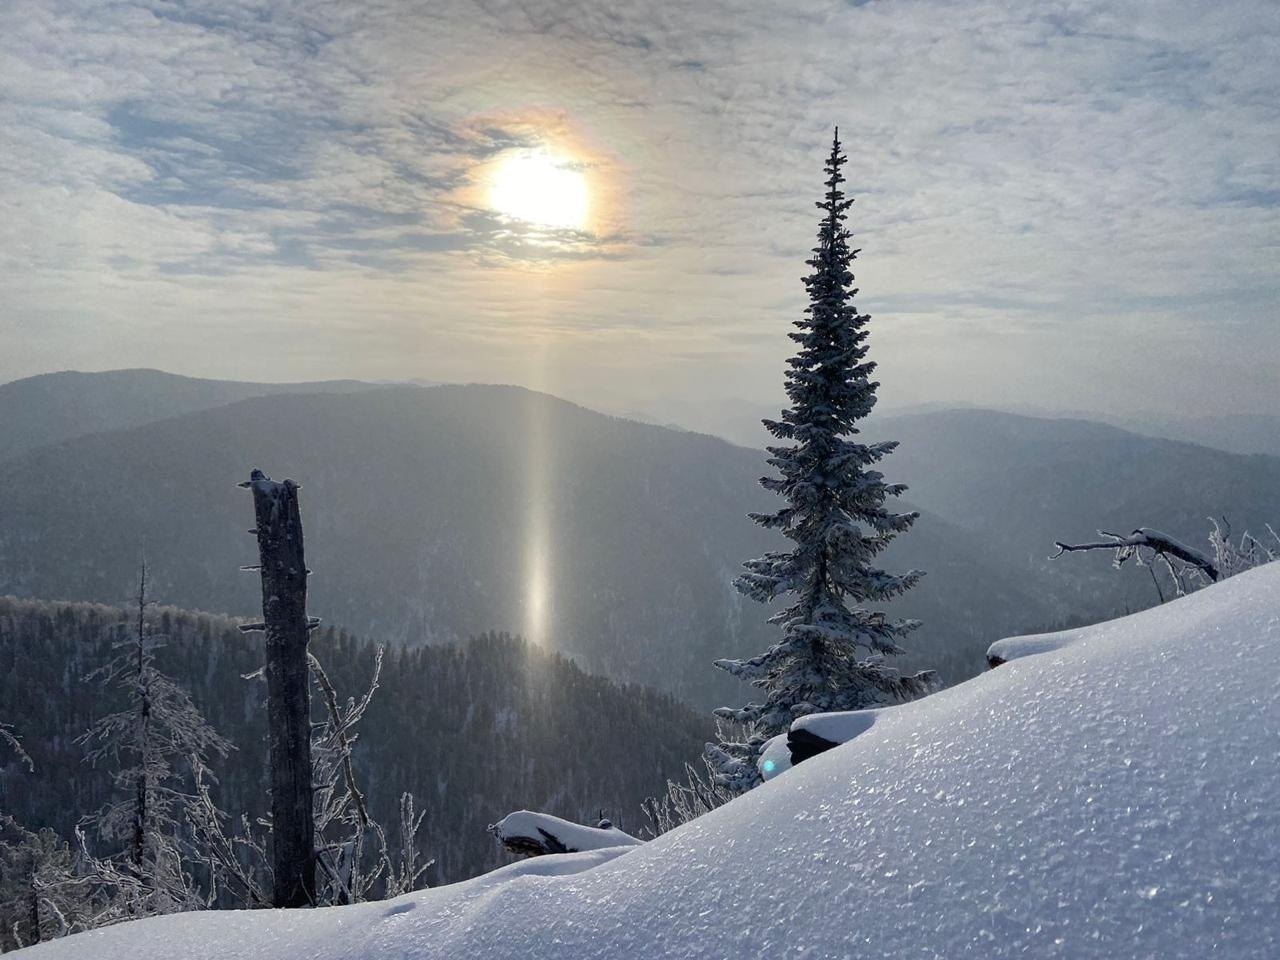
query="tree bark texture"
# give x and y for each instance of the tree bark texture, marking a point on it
(284, 621)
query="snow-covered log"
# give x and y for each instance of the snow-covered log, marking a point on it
(1015, 648)
(530, 834)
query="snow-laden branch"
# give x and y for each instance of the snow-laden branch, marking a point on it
(343, 825)
(1160, 543)
(1188, 568)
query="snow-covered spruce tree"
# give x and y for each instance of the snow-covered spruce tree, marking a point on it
(830, 655)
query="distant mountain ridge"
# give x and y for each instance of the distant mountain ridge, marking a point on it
(54, 407)
(738, 421)
(1063, 478)
(1235, 432)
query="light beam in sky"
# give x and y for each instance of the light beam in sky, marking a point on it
(541, 188)
(538, 551)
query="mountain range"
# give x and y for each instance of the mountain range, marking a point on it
(436, 513)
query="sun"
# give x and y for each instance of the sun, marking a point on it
(540, 188)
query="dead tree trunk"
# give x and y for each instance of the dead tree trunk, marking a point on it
(286, 625)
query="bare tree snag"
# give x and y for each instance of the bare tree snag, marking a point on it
(284, 621)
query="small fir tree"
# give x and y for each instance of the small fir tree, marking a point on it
(830, 656)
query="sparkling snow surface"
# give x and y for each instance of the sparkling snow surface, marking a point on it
(1114, 798)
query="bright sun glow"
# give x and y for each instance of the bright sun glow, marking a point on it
(540, 188)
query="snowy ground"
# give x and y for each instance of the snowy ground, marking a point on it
(1114, 797)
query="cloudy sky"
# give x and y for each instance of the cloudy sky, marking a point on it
(1072, 204)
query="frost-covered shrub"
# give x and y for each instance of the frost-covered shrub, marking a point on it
(682, 802)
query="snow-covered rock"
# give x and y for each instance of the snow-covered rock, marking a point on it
(812, 735)
(1115, 798)
(839, 727)
(536, 834)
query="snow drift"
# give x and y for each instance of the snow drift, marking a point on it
(1111, 797)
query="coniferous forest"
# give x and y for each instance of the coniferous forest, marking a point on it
(476, 729)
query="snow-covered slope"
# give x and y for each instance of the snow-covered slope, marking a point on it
(1112, 798)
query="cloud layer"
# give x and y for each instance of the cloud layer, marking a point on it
(1066, 203)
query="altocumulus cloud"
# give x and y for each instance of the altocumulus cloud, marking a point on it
(1093, 182)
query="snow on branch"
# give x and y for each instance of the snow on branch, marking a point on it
(529, 834)
(1161, 543)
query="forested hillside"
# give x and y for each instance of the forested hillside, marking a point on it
(474, 729)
